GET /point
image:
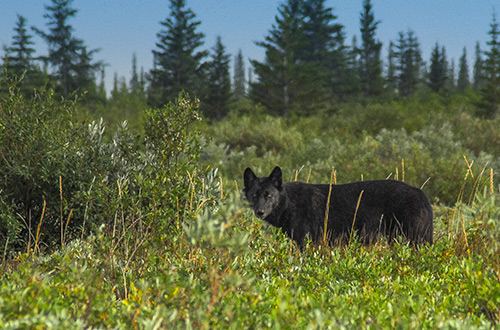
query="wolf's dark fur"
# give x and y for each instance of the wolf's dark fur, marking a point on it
(386, 207)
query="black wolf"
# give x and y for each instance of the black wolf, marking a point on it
(371, 208)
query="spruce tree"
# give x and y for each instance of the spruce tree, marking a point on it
(281, 77)
(324, 52)
(463, 82)
(135, 85)
(137, 93)
(72, 62)
(478, 77)
(20, 53)
(219, 89)
(490, 92)
(370, 62)
(19, 59)
(391, 77)
(438, 74)
(239, 76)
(177, 61)
(409, 63)
(348, 81)
(101, 89)
(450, 85)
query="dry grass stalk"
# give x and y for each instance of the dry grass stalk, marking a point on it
(327, 210)
(465, 236)
(61, 209)
(491, 182)
(355, 214)
(40, 226)
(221, 188)
(67, 224)
(403, 170)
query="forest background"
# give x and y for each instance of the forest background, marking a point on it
(131, 198)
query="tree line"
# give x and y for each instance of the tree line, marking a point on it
(308, 64)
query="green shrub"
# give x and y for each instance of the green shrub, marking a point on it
(158, 241)
(39, 142)
(430, 152)
(62, 179)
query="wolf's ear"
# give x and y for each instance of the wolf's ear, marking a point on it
(248, 177)
(276, 177)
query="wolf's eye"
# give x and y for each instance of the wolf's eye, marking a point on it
(268, 195)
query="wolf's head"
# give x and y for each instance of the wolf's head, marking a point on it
(263, 193)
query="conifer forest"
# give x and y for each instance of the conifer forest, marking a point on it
(124, 208)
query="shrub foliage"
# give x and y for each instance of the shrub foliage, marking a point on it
(106, 229)
(63, 179)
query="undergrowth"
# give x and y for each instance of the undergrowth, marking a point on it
(151, 232)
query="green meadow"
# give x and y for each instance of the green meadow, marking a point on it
(147, 228)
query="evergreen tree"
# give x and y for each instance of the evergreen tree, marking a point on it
(490, 92)
(370, 62)
(391, 78)
(135, 85)
(324, 52)
(85, 71)
(463, 82)
(239, 76)
(438, 74)
(478, 69)
(101, 90)
(250, 76)
(115, 91)
(348, 81)
(281, 79)
(137, 93)
(72, 62)
(450, 85)
(19, 60)
(409, 63)
(219, 89)
(177, 63)
(20, 53)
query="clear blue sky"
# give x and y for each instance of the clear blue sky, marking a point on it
(121, 27)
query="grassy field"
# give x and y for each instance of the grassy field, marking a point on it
(149, 231)
(228, 270)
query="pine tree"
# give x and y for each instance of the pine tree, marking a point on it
(137, 93)
(135, 85)
(219, 89)
(20, 53)
(239, 76)
(450, 85)
(370, 62)
(391, 78)
(19, 59)
(281, 77)
(438, 74)
(478, 69)
(323, 51)
(463, 82)
(177, 63)
(70, 58)
(409, 63)
(115, 91)
(348, 81)
(318, 30)
(490, 92)
(101, 90)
